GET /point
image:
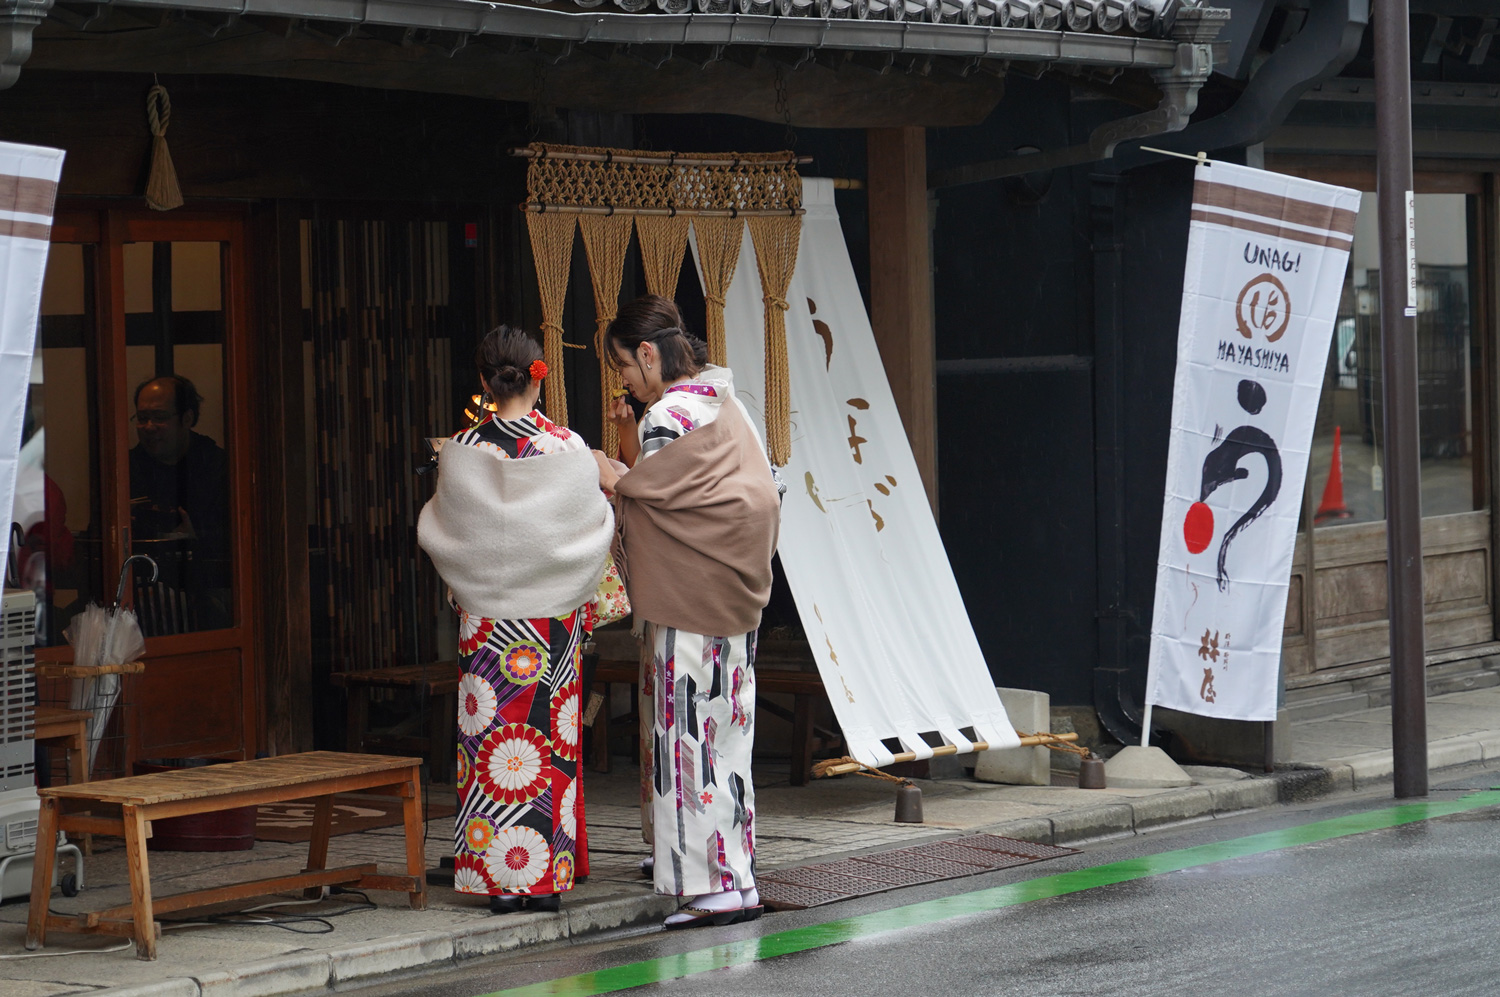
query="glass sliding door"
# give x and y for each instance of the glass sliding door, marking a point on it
(1340, 588)
(138, 442)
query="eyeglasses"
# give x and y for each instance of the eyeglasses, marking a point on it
(156, 418)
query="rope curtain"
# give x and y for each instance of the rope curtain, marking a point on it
(719, 241)
(775, 241)
(663, 244)
(552, 250)
(663, 193)
(606, 241)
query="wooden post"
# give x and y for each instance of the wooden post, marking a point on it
(901, 285)
(281, 492)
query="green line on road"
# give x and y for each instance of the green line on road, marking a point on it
(746, 951)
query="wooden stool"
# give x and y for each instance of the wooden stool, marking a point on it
(438, 682)
(55, 727)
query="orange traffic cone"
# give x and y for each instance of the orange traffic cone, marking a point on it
(1332, 506)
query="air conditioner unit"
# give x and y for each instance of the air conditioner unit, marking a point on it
(19, 806)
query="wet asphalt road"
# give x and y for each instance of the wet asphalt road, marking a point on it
(1413, 909)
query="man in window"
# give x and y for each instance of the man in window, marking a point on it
(179, 501)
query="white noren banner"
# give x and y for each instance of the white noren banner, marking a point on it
(859, 545)
(28, 191)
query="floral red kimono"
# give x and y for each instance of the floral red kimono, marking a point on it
(520, 826)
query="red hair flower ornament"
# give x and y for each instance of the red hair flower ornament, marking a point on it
(538, 370)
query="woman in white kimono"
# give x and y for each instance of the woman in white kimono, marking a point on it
(698, 513)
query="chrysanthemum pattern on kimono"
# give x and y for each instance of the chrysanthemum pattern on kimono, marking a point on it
(518, 828)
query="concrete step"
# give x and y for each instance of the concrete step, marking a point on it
(1460, 682)
(1308, 708)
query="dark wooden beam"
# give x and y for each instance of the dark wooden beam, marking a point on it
(282, 485)
(901, 285)
(653, 80)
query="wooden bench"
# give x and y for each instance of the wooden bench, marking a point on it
(126, 807)
(436, 682)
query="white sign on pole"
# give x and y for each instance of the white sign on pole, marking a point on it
(1265, 268)
(1411, 254)
(28, 189)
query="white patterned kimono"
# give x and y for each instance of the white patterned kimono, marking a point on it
(701, 694)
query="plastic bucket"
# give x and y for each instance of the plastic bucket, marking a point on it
(220, 831)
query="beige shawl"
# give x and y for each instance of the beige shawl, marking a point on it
(517, 539)
(698, 523)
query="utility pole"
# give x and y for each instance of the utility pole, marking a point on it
(1398, 339)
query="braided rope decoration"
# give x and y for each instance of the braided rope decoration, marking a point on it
(677, 183)
(719, 241)
(775, 241)
(552, 248)
(663, 241)
(606, 241)
(163, 193)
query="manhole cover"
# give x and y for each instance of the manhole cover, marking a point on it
(785, 896)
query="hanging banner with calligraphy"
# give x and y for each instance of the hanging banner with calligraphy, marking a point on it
(1265, 267)
(28, 190)
(861, 551)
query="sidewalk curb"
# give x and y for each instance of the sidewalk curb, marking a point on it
(405, 955)
(426, 951)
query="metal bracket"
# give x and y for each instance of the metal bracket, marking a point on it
(18, 19)
(1194, 29)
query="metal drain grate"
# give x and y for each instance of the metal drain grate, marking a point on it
(821, 877)
(1013, 846)
(924, 861)
(888, 874)
(954, 852)
(827, 882)
(784, 896)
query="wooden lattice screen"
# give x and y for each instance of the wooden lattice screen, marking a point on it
(379, 326)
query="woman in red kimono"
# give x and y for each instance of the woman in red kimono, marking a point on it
(520, 532)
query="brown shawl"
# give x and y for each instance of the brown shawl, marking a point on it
(697, 523)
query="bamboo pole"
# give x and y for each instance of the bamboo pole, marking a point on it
(576, 209)
(640, 159)
(1028, 741)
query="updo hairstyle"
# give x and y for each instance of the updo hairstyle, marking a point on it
(654, 319)
(504, 359)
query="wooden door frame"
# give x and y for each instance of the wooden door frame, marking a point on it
(1438, 177)
(108, 228)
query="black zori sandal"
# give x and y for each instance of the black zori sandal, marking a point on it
(714, 918)
(505, 903)
(549, 903)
